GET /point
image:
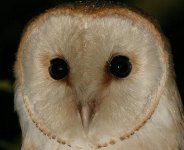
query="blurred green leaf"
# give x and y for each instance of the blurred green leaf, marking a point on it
(6, 85)
(14, 145)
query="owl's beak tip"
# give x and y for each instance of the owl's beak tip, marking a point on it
(87, 112)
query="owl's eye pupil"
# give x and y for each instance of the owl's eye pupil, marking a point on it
(120, 66)
(58, 69)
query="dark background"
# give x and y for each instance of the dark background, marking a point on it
(14, 14)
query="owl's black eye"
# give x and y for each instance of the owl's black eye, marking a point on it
(58, 69)
(120, 66)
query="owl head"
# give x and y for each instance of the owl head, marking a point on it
(93, 74)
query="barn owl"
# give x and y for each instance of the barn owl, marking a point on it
(93, 77)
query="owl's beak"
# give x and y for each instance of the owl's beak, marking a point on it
(87, 112)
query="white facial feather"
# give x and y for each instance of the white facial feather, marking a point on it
(140, 111)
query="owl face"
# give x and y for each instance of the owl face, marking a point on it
(91, 71)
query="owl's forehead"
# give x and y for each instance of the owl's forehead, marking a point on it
(79, 36)
(91, 38)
